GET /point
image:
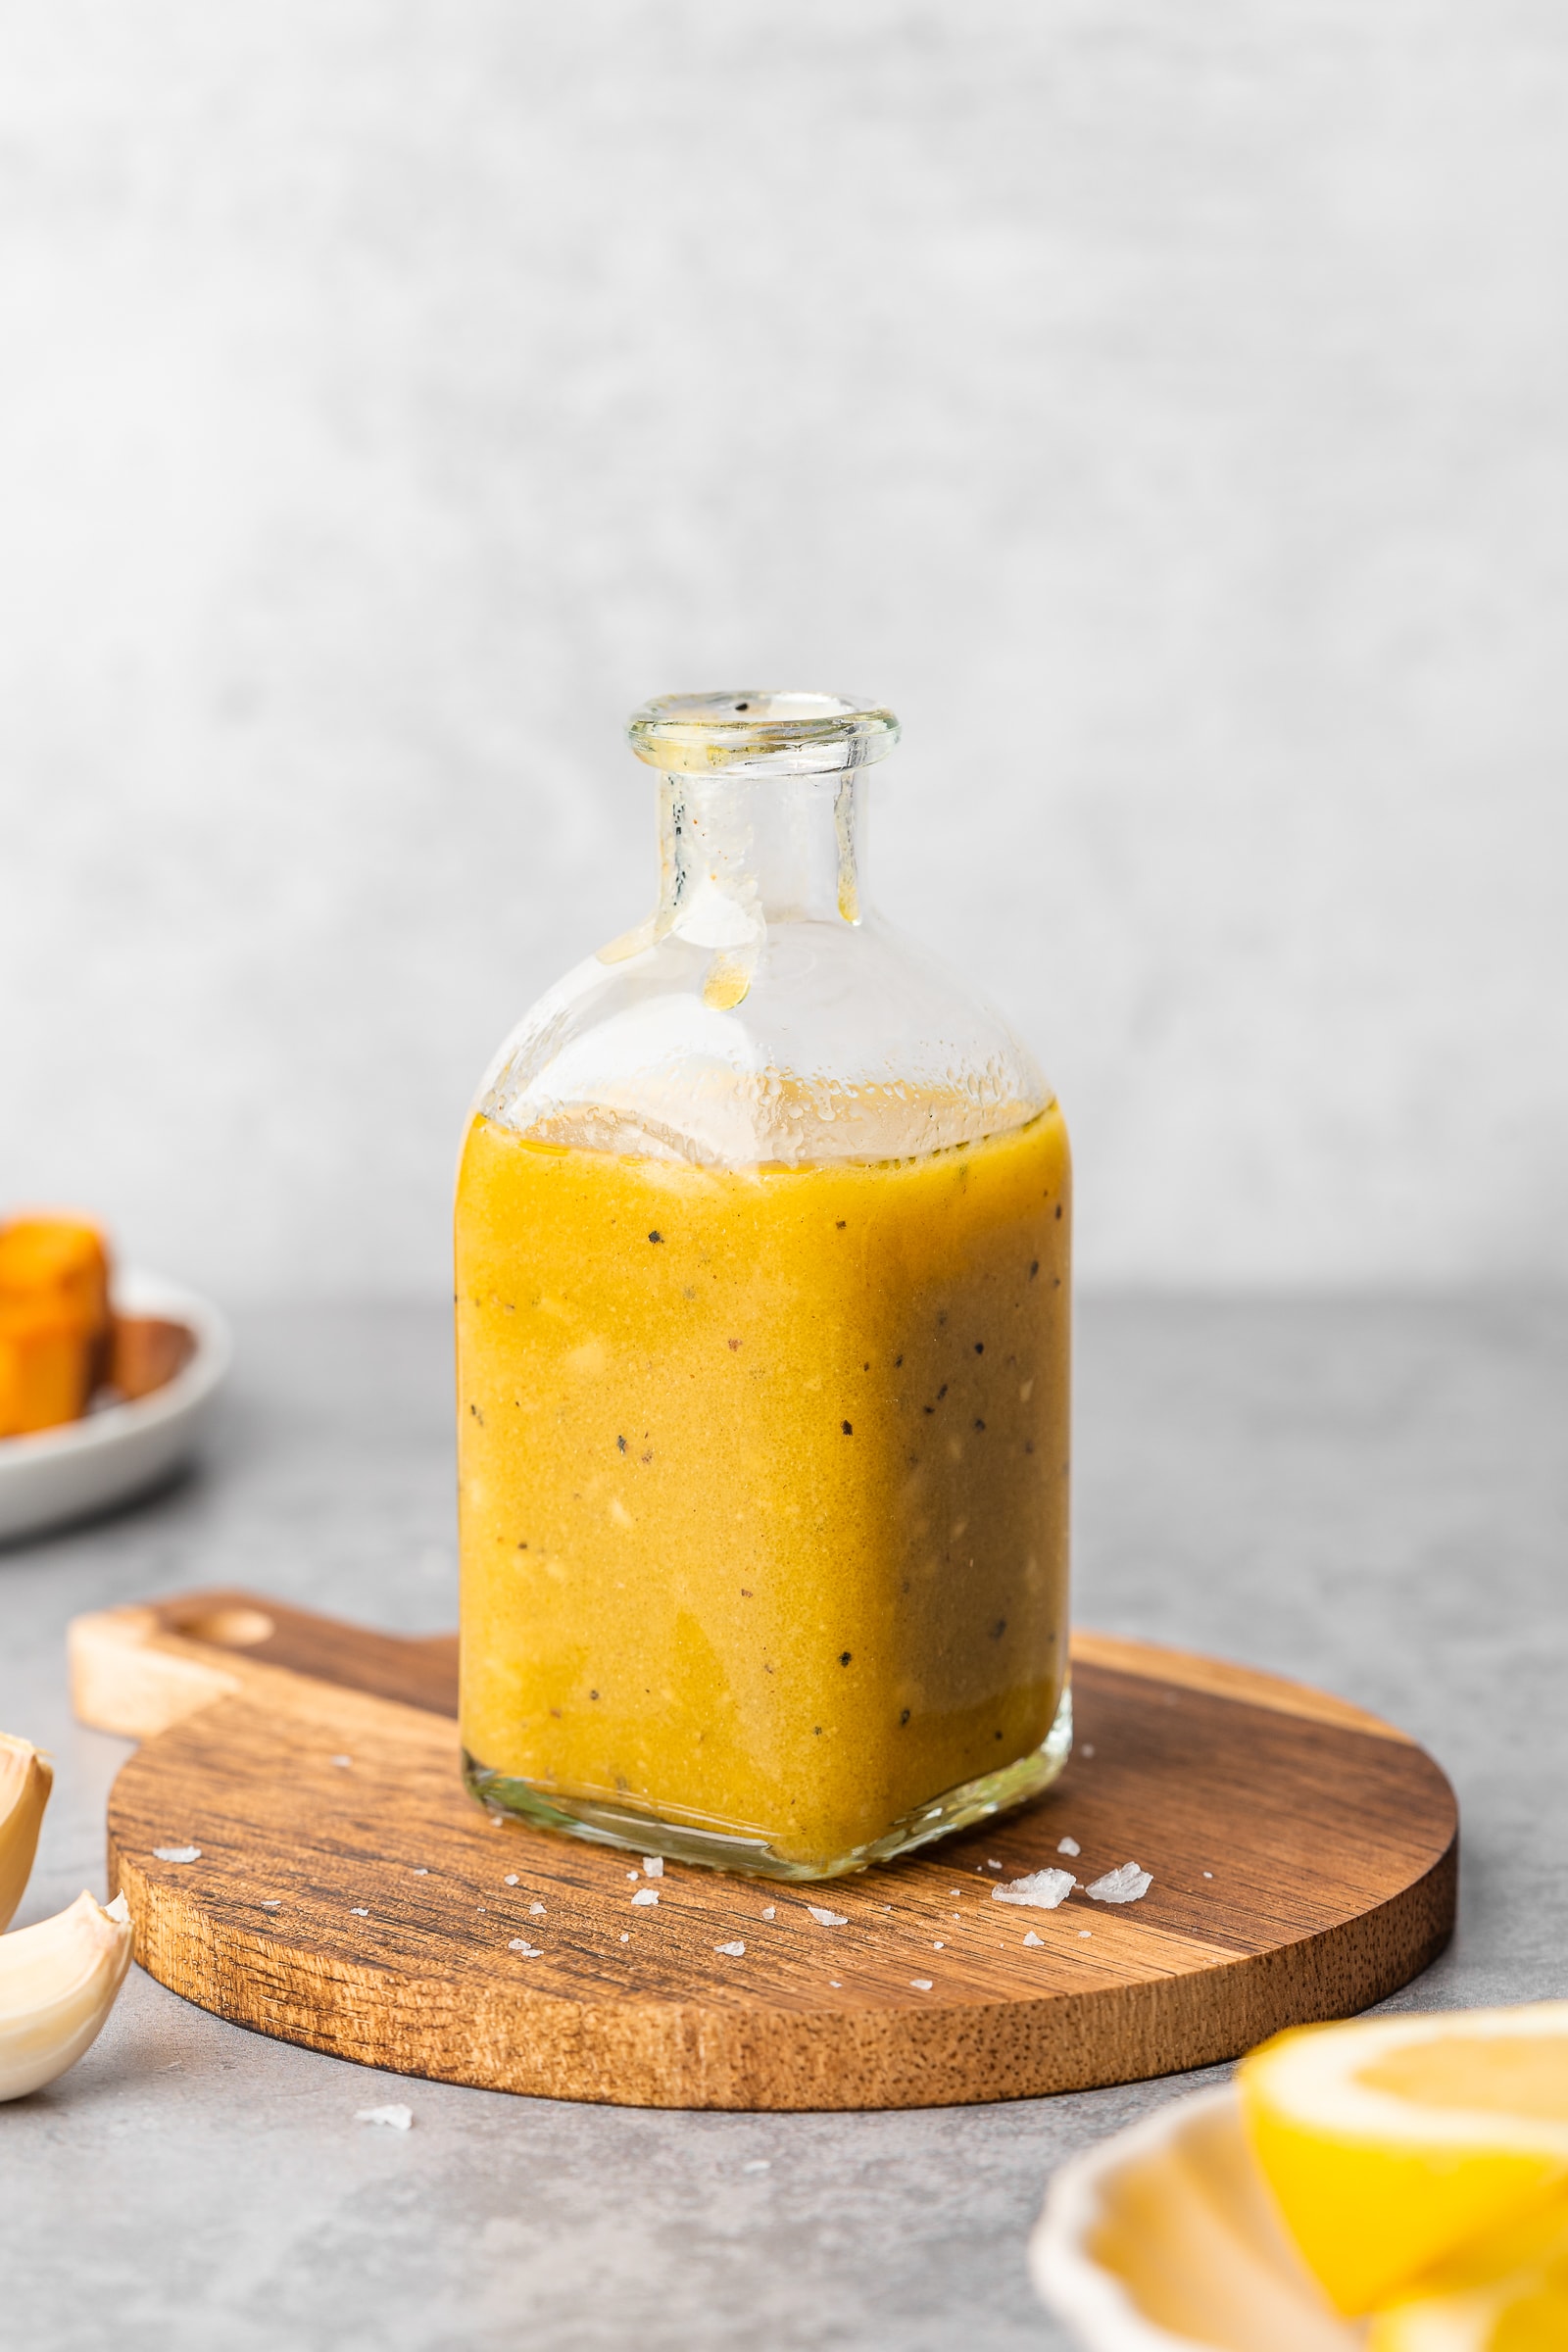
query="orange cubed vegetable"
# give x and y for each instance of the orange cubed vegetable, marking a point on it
(53, 1320)
(59, 1260)
(47, 1362)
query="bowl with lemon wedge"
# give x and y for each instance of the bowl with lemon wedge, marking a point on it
(1397, 2184)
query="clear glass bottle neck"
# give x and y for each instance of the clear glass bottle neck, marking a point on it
(740, 851)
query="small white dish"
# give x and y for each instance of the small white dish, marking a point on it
(119, 1450)
(1163, 2239)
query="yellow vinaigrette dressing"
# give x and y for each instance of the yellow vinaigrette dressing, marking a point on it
(763, 1492)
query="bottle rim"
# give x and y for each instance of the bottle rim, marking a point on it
(752, 730)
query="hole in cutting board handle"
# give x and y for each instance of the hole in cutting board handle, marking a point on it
(225, 1629)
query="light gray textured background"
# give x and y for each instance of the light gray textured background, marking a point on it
(1165, 409)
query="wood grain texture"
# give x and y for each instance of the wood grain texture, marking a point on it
(361, 1907)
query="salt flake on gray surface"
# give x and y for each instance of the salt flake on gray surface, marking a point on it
(827, 1918)
(653, 1866)
(1068, 1845)
(758, 2164)
(396, 2119)
(1033, 1938)
(1129, 1884)
(529, 1951)
(645, 1895)
(736, 1951)
(1042, 1890)
(176, 1853)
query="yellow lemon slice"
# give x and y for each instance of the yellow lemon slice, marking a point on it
(1511, 2296)
(1392, 2143)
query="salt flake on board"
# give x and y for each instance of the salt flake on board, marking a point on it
(1068, 1845)
(529, 1951)
(827, 1918)
(1037, 1940)
(176, 1853)
(645, 1895)
(1040, 1891)
(653, 1866)
(919, 1984)
(734, 1952)
(1129, 1884)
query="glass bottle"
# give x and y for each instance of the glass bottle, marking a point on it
(762, 1254)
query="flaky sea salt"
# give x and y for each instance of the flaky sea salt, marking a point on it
(1129, 1884)
(421, 1874)
(989, 1865)
(625, 1938)
(1032, 1938)
(272, 1904)
(176, 1853)
(1209, 1874)
(1041, 1891)
(827, 1918)
(510, 1879)
(343, 1762)
(939, 1947)
(634, 1874)
(359, 1911)
(758, 2164)
(645, 1895)
(529, 1951)
(1068, 1845)
(733, 1951)
(769, 1912)
(1084, 1935)
(919, 1984)
(536, 1910)
(396, 2119)
(653, 1865)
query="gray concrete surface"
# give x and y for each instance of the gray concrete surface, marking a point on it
(1371, 1495)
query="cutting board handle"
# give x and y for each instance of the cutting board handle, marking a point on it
(136, 1671)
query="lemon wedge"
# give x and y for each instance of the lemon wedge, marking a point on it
(1393, 2143)
(1511, 2296)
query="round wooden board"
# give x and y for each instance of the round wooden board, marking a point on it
(350, 1896)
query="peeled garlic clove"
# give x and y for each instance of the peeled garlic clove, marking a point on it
(58, 1982)
(25, 1780)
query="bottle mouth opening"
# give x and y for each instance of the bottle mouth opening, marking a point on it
(756, 730)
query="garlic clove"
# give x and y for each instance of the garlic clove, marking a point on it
(58, 1982)
(25, 1780)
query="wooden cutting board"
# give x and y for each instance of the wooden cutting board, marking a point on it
(348, 1895)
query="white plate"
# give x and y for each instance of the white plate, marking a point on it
(1164, 2237)
(122, 1450)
